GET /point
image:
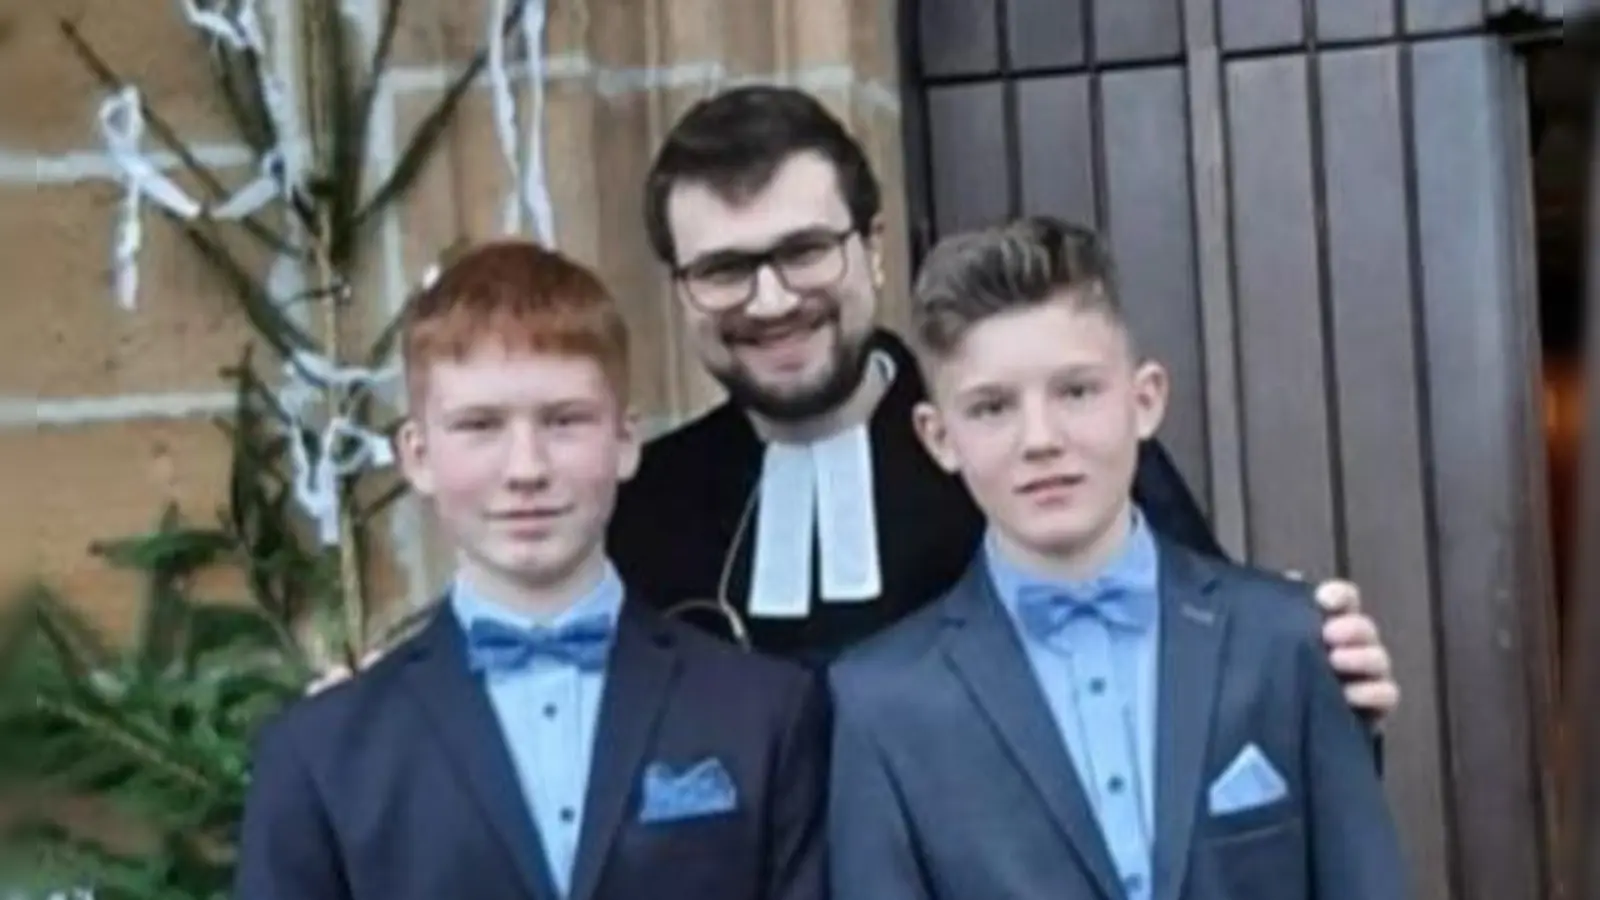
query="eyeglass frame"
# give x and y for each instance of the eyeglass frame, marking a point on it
(768, 258)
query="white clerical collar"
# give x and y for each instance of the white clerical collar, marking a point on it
(817, 494)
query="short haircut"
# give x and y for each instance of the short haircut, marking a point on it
(734, 142)
(977, 275)
(521, 296)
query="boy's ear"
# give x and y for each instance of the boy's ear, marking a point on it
(935, 439)
(1150, 385)
(631, 434)
(411, 448)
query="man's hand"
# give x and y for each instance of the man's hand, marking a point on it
(1356, 651)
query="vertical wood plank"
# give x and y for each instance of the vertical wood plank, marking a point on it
(958, 37)
(1477, 362)
(1374, 334)
(1353, 20)
(1214, 251)
(966, 127)
(1282, 378)
(1045, 33)
(1261, 24)
(1429, 16)
(1581, 847)
(1133, 30)
(1057, 147)
(1150, 226)
(1583, 663)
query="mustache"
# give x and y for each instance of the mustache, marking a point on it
(742, 329)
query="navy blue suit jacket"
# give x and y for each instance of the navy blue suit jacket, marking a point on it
(397, 784)
(951, 781)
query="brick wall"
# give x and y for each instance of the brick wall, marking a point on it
(104, 412)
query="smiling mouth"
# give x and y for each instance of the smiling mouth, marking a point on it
(1050, 484)
(530, 517)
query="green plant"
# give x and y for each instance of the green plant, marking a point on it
(157, 734)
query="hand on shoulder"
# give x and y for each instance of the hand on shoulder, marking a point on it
(1356, 649)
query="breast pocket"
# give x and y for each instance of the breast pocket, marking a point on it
(1259, 852)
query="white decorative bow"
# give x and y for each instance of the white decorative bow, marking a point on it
(344, 448)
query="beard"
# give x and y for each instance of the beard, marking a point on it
(840, 377)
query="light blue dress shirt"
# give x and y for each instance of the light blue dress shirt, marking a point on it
(1100, 682)
(547, 714)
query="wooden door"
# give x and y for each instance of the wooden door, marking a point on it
(1583, 632)
(1321, 214)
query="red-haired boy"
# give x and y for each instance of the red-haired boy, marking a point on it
(546, 736)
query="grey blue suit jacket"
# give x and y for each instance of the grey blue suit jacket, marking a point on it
(951, 781)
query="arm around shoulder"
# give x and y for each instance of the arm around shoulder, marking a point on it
(286, 844)
(872, 855)
(798, 868)
(1355, 846)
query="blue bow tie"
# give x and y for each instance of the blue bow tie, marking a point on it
(1045, 609)
(494, 646)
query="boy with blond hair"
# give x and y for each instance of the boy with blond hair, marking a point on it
(1092, 712)
(547, 735)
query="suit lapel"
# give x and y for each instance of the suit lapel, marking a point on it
(1193, 625)
(987, 655)
(639, 679)
(465, 723)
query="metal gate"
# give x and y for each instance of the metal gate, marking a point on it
(1321, 213)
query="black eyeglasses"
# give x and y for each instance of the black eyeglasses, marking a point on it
(805, 261)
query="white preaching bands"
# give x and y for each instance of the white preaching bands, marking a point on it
(817, 495)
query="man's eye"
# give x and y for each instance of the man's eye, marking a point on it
(722, 273)
(803, 254)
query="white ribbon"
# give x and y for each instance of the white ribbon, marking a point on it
(241, 30)
(530, 194)
(122, 127)
(343, 447)
(534, 186)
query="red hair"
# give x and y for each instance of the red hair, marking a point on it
(522, 296)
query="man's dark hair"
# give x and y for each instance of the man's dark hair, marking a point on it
(734, 142)
(977, 275)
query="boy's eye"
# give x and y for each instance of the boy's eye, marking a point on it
(1078, 390)
(568, 419)
(986, 407)
(475, 424)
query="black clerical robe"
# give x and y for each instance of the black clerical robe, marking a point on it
(676, 520)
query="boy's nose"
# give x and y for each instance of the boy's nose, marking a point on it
(528, 461)
(1040, 433)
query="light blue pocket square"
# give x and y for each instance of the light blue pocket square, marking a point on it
(703, 789)
(1249, 782)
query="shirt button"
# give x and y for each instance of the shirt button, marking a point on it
(549, 710)
(567, 814)
(1097, 686)
(1115, 784)
(1134, 883)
